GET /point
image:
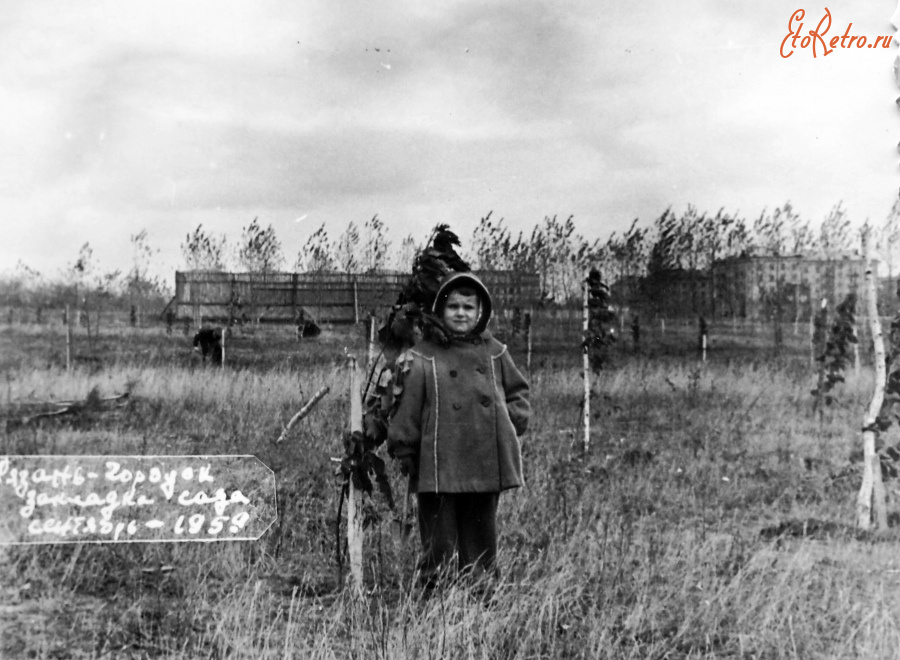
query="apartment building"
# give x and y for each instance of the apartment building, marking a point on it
(786, 286)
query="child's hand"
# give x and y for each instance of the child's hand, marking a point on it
(409, 466)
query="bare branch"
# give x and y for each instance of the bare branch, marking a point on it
(304, 411)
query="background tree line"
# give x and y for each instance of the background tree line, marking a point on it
(634, 261)
(88, 290)
(640, 259)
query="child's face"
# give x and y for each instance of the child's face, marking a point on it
(461, 312)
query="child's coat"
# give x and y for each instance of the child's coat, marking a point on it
(462, 409)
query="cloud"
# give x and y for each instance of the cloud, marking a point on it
(120, 116)
(526, 55)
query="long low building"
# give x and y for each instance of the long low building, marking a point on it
(322, 297)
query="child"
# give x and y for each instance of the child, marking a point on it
(456, 430)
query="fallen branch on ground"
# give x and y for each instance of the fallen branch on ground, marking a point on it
(304, 411)
(91, 403)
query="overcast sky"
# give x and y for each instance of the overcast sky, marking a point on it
(120, 116)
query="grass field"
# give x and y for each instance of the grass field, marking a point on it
(711, 517)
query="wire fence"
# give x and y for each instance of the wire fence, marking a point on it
(542, 337)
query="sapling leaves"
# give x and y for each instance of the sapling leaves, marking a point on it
(410, 319)
(892, 387)
(834, 356)
(379, 469)
(600, 333)
(357, 462)
(373, 425)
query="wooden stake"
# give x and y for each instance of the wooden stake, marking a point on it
(68, 341)
(354, 496)
(224, 331)
(370, 348)
(355, 302)
(812, 336)
(586, 368)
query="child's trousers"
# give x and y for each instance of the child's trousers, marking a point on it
(462, 523)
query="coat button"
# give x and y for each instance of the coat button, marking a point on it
(456, 406)
(485, 401)
(453, 373)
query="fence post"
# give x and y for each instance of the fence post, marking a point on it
(816, 347)
(355, 301)
(812, 339)
(586, 367)
(68, 342)
(704, 332)
(224, 332)
(354, 496)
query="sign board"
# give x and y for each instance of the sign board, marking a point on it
(116, 499)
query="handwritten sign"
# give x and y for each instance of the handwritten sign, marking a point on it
(115, 499)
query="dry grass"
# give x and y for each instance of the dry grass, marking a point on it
(647, 546)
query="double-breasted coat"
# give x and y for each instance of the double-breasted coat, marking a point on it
(463, 407)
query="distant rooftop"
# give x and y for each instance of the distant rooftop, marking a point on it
(852, 255)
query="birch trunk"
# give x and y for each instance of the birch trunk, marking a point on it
(871, 492)
(354, 496)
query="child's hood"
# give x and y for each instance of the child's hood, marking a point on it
(455, 280)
